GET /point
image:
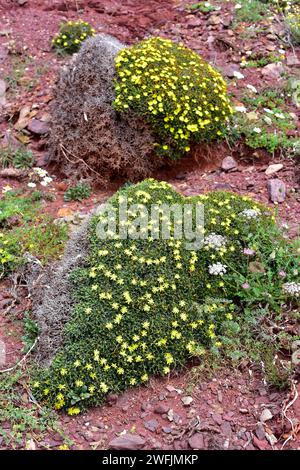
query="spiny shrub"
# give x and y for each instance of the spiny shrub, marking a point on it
(71, 35)
(293, 22)
(178, 94)
(146, 305)
(89, 139)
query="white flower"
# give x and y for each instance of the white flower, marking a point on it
(266, 110)
(238, 75)
(252, 88)
(213, 240)
(238, 6)
(251, 213)
(292, 288)
(257, 130)
(31, 185)
(217, 269)
(46, 181)
(40, 172)
(279, 115)
(240, 109)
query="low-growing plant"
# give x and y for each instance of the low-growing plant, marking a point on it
(21, 420)
(23, 230)
(251, 11)
(71, 35)
(78, 193)
(144, 305)
(177, 93)
(20, 158)
(265, 124)
(204, 7)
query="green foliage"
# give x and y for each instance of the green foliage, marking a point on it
(30, 331)
(266, 124)
(204, 7)
(179, 95)
(261, 60)
(292, 20)
(251, 11)
(71, 35)
(78, 193)
(145, 306)
(20, 419)
(19, 158)
(22, 230)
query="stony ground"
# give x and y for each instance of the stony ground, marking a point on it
(229, 409)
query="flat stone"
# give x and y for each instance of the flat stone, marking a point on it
(161, 409)
(260, 431)
(196, 442)
(266, 415)
(187, 400)
(151, 425)
(38, 127)
(273, 168)
(2, 93)
(127, 442)
(228, 163)
(277, 190)
(273, 71)
(292, 60)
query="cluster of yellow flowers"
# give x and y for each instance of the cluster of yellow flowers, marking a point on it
(293, 22)
(142, 305)
(71, 35)
(180, 95)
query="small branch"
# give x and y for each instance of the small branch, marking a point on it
(21, 360)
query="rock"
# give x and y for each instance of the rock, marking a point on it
(227, 20)
(161, 409)
(295, 345)
(273, 168)
(167, 430)
(260, 431)
(292, 60)
(127, 442)
(194, 22)
(272, 71)
(214, 20)
(38, 127)
(271, 438)
(226, 429)
(296, 357)
(146, 407)
(266, 415)
(228, 163)
(223, 187)
(13, 173)
(24, 118)
(2, 93)
(151, 425)
(22, 2)
(261, 445)
(66, 212)
(217, 418)
(196, 442)
(187, 400)
(277, 190)
(229, 70)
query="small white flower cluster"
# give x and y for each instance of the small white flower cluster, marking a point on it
(217, 269)
(251, 213)
(42, 174)
(292, 288)
(213, 240)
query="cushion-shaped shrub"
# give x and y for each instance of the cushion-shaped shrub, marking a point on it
(71, 36)
(89, 139)
(181, 96)
(145, 306)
